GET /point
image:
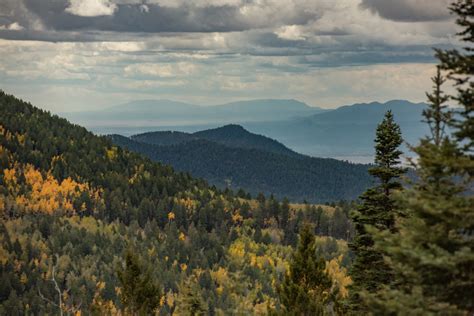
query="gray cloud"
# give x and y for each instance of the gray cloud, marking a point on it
(60, 15)
(209, 51)
(409, 10)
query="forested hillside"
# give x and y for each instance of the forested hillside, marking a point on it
(229, 135)
(88, 227)
(234, 158)
(80, 217)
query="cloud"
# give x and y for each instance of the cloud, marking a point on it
(160, 70)
(140, 16)
(409, 10)
(91, 8)
(290, 32)
(213, 51)
(15, 26)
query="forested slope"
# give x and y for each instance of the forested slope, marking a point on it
(253, 168)
(229, 135)
(72, 204)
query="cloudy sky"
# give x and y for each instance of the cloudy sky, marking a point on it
(66, 55)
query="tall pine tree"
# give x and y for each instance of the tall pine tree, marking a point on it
(140, 294)
(459, 65)
(307, 288)
(432, 255)
(369, 271)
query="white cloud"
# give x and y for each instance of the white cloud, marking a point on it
(160, 70)
(144, 8)
(91, 7)
(290, 32)
(120, 46)
(12, 27)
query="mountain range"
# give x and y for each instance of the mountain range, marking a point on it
(344, 133)
(167, 112)
(232, 157)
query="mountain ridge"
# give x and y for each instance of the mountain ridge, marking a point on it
(257, 168)
(231, 135)
(164, 111)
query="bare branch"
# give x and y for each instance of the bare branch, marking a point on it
(46, 299)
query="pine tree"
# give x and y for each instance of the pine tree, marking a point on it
(460, 67)
(306, 289)
(191, 301)
(432, 255)
(140, 295)
(369, 271)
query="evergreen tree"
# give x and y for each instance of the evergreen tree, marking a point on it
(377, 210)
(140, 295)
(306, 289)
(432, 255)
(191, 301)
(460, 67)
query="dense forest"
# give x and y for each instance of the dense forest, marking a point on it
(231, 135)
(231, 157)
(74, 205)
(90, 228)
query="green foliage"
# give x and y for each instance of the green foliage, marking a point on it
(306, 290)
(432, 253)
(140, 294)
(377, 210)
(191, 301)
(459, 65)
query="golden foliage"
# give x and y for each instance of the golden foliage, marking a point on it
(111, 153)
(220, 276)
(100, 306)
(44, 194)
(237, 218)
(338, 274)
(3, 255)
(2, 204)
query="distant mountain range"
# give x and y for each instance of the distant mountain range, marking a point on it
(166, 112)
(232, 157)
(344, 133)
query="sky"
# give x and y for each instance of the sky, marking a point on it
(74, 55)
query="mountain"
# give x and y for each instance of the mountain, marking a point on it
(166, 112)
(78, 213)
(232, 157)
(229, 135)
(346, 131)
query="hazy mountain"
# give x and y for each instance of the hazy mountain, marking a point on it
(230, 135)
(166, 112)
(252, 162)
(344, 132)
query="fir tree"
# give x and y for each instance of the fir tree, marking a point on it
(377, 210)
(140, 295)
(191, 301)
(432, 255)
(306, 289)
(460, 67)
